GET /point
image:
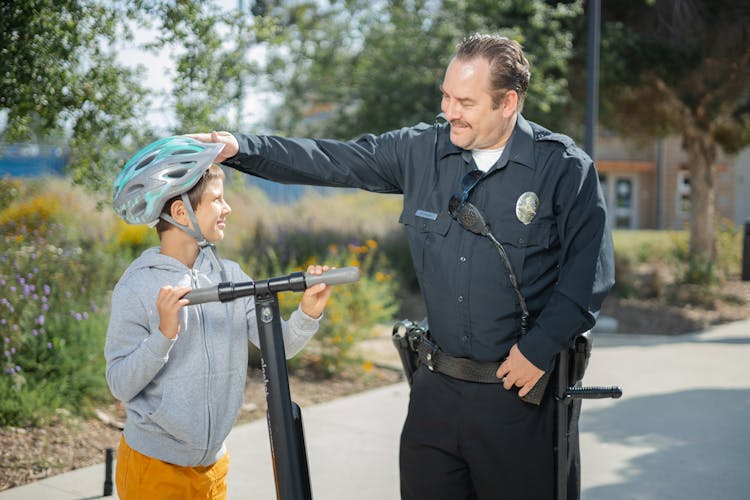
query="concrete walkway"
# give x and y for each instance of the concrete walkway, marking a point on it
(679, 432)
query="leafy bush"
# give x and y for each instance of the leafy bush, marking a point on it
(51, 294)
(60, 258)
(353, 310)
(648, 262)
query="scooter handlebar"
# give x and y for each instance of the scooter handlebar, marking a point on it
(203, 295)
(224, 292)
(333, 276)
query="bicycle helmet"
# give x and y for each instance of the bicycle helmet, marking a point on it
(157, 173)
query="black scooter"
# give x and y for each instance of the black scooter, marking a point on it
(288, 452)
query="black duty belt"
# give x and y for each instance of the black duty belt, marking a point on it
(470, 370)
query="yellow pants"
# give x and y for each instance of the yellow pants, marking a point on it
(140, 477)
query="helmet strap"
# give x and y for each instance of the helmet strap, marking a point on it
(195, 232)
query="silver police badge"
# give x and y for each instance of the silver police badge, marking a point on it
(526, 207)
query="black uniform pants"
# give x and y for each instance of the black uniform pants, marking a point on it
(473, 441)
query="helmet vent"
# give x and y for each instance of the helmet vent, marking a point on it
(139, 208)
(134, 187)
(146, 160)
(177, 174)
(181, 152)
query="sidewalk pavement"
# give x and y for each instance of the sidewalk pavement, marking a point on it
(680, 430)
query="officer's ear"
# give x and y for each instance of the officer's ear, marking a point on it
(509, 103)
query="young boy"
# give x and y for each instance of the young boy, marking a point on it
(181, 369)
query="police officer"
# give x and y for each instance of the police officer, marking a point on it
(541, 197)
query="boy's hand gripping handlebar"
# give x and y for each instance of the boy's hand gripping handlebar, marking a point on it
(294, 282)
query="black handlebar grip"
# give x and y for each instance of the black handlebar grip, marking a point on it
(333, 276)
(203, 295)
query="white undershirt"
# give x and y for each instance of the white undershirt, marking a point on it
(485, 158)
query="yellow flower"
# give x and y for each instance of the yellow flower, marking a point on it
(131, 235)
(372, 244)
(367, 366)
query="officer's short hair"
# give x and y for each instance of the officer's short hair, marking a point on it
(509, 68)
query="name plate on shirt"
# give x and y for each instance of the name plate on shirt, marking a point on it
(426, 215)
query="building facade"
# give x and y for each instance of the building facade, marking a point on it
(647, 185)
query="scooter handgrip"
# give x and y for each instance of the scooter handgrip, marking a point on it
(203, 295)
(333, 276)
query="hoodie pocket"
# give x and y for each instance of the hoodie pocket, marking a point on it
(182, 413)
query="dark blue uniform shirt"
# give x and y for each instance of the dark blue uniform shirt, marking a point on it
(563, 258)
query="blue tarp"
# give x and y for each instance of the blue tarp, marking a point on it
(31, 160)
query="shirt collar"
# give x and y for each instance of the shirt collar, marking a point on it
(519, 148)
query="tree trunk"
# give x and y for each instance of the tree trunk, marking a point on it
(701, 151)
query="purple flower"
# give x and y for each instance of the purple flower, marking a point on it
(78, 316)
(49, 345)
(18, 368)
(45, 307)
(34, 332)
(26, 290)
(7, 354)
(40, 319)
(47, 289)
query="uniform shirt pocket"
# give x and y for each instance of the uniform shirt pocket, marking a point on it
(527, 247)
(426, 232)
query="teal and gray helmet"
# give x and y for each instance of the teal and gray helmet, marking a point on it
(157, 173)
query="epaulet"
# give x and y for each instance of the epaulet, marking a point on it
(542, 134)
(422, 126)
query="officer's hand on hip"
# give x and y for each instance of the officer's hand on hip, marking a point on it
(519, 372)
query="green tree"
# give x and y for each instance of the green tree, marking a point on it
(210, 55)
(681, 67)
(61, 82)
(345, 68)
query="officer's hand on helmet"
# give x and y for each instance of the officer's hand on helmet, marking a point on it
(316, 297)
(231, 147)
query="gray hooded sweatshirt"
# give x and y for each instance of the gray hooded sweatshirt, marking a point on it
(182, 396)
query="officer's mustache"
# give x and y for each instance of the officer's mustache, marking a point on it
(459, 123)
